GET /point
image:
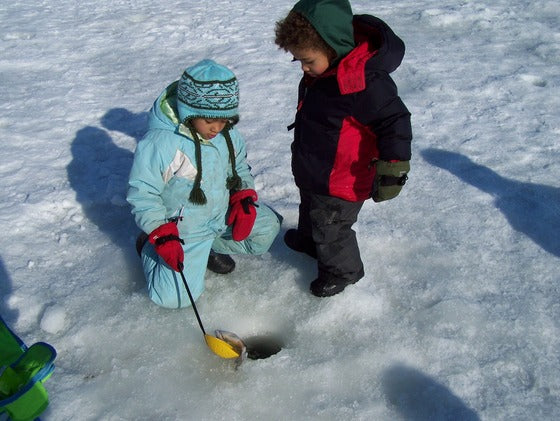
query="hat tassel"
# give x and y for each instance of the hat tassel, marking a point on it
(233, 182)
(197, 195)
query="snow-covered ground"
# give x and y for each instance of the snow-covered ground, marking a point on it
(458, 315)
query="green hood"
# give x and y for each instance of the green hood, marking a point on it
(332, 19)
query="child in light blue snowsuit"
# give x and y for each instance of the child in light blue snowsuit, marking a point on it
(190, 187)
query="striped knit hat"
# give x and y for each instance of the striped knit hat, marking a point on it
(209, 90)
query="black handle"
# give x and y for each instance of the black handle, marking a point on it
(191, 298)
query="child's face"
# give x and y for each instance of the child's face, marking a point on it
(208, 128)
(313, 62)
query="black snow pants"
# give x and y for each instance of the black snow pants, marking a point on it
(328, 222)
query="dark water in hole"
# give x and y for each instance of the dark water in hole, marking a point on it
(263, 346)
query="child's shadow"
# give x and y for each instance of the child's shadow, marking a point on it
(533, 209)
(99, 174)
(420, 398)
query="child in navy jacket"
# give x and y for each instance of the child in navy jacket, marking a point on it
(352, 131)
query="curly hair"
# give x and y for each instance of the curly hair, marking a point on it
(295, 31)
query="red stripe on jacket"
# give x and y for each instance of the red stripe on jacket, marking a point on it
(351, 177)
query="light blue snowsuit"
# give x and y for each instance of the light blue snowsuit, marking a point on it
(160, 182)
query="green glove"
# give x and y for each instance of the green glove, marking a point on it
(390, 177)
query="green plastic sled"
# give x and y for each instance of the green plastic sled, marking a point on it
(22, 373)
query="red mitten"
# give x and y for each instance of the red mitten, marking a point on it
(167, 243)
(242, 213)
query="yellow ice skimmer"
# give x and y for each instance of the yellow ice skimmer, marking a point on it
(220, 347)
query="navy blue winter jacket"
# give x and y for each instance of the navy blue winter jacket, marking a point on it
(351, 116)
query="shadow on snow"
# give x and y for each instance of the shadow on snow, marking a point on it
(420, 398)
(99, 174)
(531, 209)
(10, 316)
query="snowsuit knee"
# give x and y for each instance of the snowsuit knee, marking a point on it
(165, 286)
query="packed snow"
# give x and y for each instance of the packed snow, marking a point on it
(458, 315)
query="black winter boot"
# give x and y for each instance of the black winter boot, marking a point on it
(327, 288)
(296, 242)
(220, 263)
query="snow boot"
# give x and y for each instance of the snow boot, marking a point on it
(299, 243)
(220, 263)
(327, 288)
